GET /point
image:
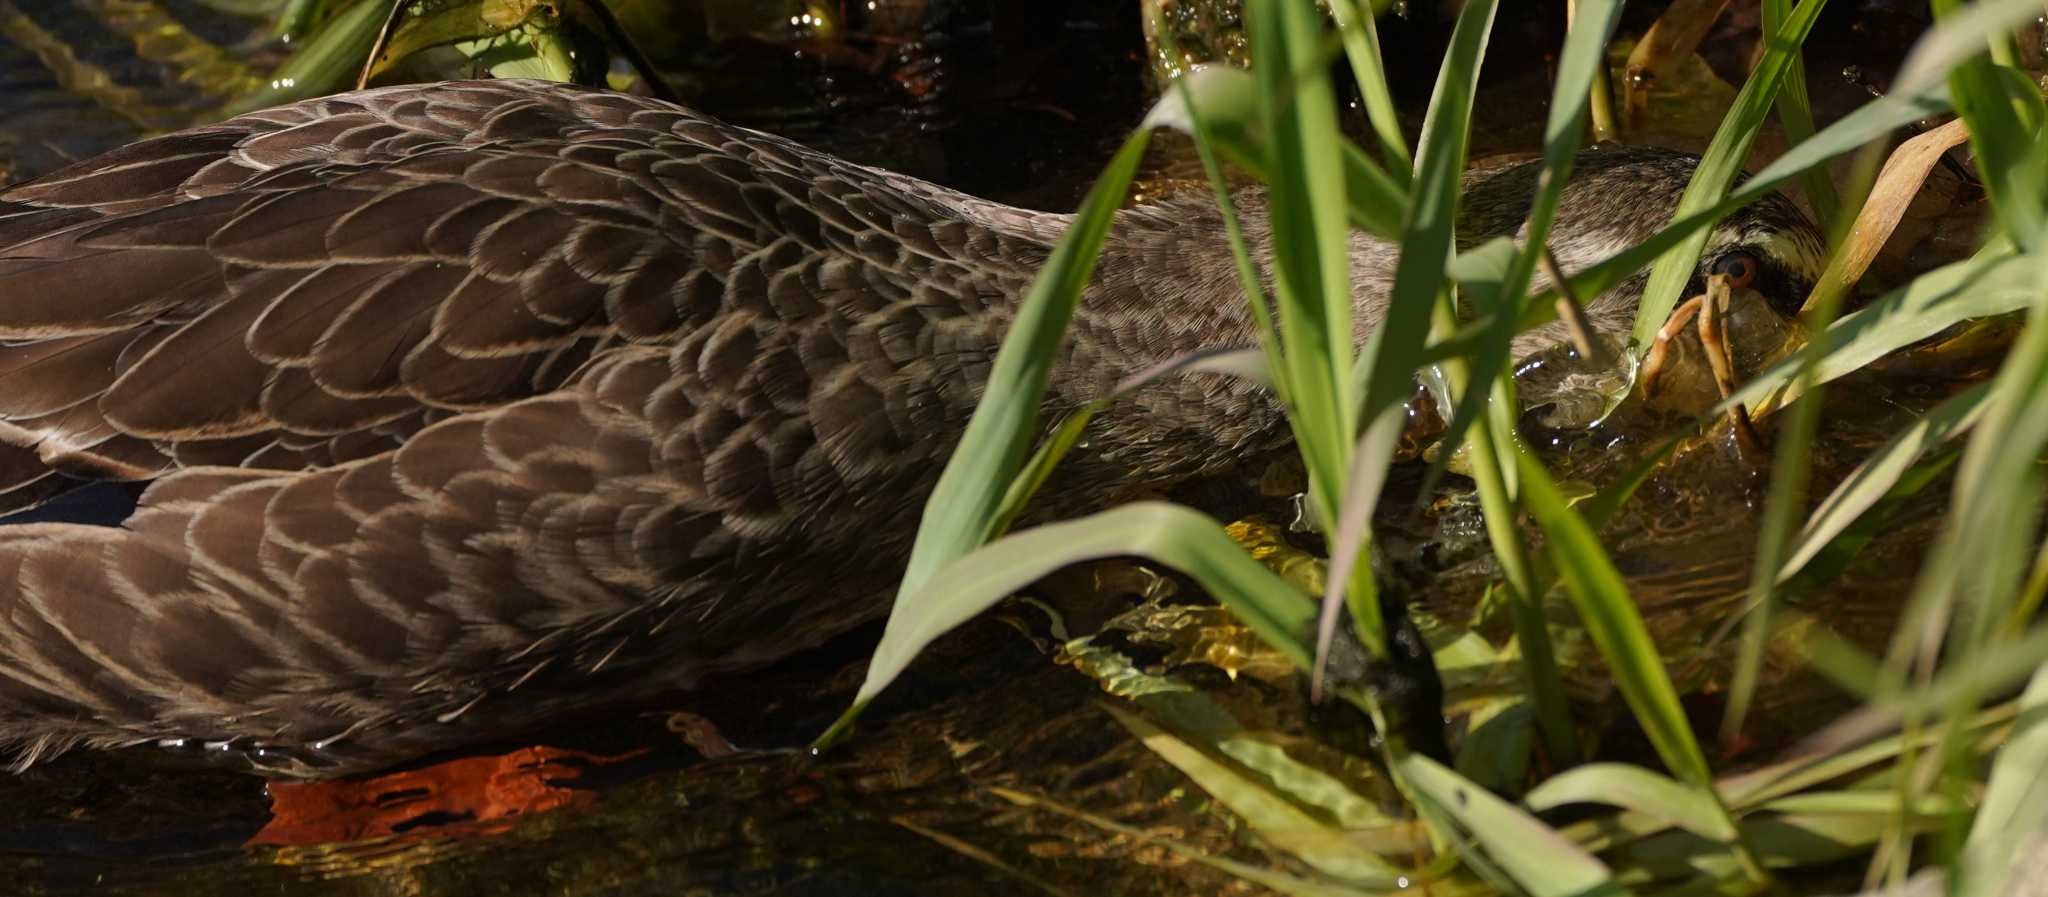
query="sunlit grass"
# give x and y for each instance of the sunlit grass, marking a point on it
(1941, 764)
(1855, 795)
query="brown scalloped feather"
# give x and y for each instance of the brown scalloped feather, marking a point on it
(480, 405)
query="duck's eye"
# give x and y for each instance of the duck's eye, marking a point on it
(1739, 266)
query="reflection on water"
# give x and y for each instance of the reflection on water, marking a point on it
(1010, 109)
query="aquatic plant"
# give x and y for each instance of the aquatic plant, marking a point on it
(1904, 772)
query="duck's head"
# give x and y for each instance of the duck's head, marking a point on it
(1619, 196)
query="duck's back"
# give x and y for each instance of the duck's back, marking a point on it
(466, 404)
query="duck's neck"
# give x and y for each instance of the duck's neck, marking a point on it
(1165, 286)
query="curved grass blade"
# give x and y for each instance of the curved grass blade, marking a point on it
(1833, 558)
(965, 504)
(1719, 167)
(1872, 480)
(1988, 284)
(1278, 882)
(1325, 847)
(1635, 788)
(2014, 811)
(1905, 172)
(1248, 364)
(1616, 626)
(1533, 854)
(1170, 535)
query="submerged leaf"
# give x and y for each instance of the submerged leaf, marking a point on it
(1329, 849)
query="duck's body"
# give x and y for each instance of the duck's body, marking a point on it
(471, 405)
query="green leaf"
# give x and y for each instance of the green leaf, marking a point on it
(963, 505)
(2013, 815)
(1249, 364)
(1171, 535)
(1988, 284)
(967, 503)
(324, 62)
(1616, 626)
(1533, 854)
(1278, 882)
(1233, 119)
(1872, 480)
(1329, 849)
(1311, 238)
(1635, 788)
(1719, 166)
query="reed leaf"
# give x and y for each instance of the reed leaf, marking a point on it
(1328, 849)
(1392, 353)
(1985, 285)
(967, 503)
(1616, 626)
(1634, 788)
(2013, 815)
(1310, 238)
(1719, 166)
(1171, 535)
(1872, 480)
(1541, 862)
(325, 61)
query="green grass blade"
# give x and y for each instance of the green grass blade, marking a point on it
(1319, 844)
(1311, 265)
(1174, 536)
(1986, 285)
(2003, 107)
(1533, 854)
(967, 502)
(1638, 789)
(1719, 166)
(1277, 882)
(1585, 48)
(1352, 539)
(1795, 113)
(1361, 36)
(1616, 626)
(1908, 102)
(1428, 234)
(2014, 810)
(325, 61)
(1233, 120)
(1872, 480)
(1249, 364)
(963, 504)
(1428, 230)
